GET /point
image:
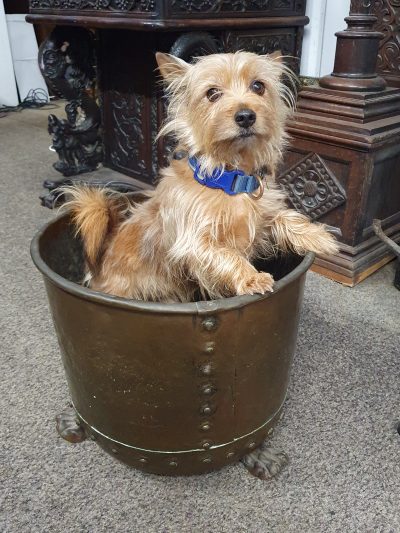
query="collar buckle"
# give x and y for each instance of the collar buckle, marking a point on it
(232, 182)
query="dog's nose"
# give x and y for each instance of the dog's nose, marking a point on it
(245, 118)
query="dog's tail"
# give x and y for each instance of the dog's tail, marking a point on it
(95, 213)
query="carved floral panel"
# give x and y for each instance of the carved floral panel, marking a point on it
(98, 5)
(262, 43)
(312, 187)
(177, 6)
(360, 6)
(218, 6)
(388, 14)
(266, 43)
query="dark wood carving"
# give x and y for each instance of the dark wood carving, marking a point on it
(218, 6)
(127, 113)
(358, 7)
(261, 43)
(154, 122)
(388, 22)
(66, 60)
(173, 8)
(312, 187)
(346, 134)
(96, 5)
(169, 14)
(130, 95)
(128, 88)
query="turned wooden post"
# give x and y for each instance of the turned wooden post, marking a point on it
(356, 52)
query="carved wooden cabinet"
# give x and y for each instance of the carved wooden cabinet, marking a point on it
(342, 166)
(122, 38)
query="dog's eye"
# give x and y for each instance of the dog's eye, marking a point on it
(258, 87)
(214, 94)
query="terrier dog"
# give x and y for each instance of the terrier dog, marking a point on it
(209, 216)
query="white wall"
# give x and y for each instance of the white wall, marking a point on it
(18, 59)
(8, 88)
(319, 44)
(24, 51)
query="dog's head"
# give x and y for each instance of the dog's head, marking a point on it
(226, 107)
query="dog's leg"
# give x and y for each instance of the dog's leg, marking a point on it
(293, 231)
(265, 462)
(221, 271)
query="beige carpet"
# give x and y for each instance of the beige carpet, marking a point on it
(339, 429)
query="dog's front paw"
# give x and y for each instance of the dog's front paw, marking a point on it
(258, 283)
(265, 462)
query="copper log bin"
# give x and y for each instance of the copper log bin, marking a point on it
(173, 389)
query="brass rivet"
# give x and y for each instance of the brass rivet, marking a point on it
(143, 460)
(206, 445)
(93, 437)
(208, 389)
(206, 369)
(206, 410)
(230, 455)
(209, 347)
(114, 450)
(207, 460)
(173, 463)
(251, 445)
(205, 427)
(209, 323)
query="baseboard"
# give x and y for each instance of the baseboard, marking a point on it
(355, 263)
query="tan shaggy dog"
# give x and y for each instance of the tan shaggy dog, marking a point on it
(229, 111)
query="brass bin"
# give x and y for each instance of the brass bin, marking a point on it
(174, 389)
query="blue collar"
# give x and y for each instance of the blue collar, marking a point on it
(230, 181)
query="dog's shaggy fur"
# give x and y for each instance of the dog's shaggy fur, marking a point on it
(187, 237)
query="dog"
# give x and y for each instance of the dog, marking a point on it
(210, 215)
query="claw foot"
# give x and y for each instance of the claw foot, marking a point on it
(265, 462)
(68, 426)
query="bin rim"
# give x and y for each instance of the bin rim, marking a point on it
(193, 308)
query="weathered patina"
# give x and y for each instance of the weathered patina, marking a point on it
(173, 389)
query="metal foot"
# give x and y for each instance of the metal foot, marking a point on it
(265, 462)
(68, 426)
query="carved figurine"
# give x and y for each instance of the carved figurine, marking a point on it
(66, 60)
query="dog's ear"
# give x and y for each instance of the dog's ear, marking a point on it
(276, 64)
(171, 67)
(276, 56)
